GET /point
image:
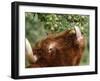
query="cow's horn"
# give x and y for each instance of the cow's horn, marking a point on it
(78, 32)
(30, 57)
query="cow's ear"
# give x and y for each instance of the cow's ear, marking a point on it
(72, 31)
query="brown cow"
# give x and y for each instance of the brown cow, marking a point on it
(64, 49)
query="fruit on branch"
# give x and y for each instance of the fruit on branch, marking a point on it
(64, 49)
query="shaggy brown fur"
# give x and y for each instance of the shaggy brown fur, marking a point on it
(60, 50)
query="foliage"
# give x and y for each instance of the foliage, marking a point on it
(38, 25)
